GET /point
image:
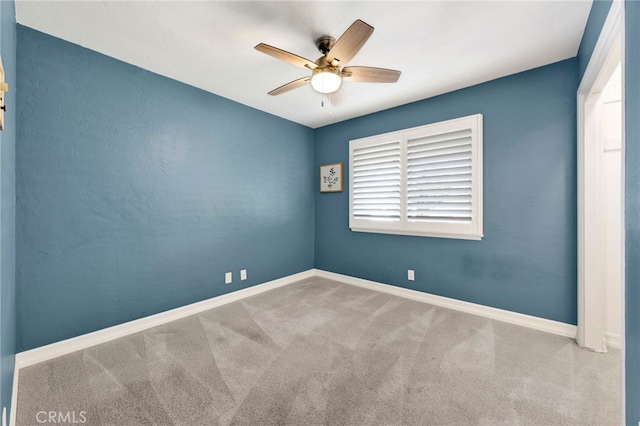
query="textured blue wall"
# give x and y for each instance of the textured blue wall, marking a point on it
(632, 211)
(137, 193)
(7, 206)
(527, 259)
(597, 16)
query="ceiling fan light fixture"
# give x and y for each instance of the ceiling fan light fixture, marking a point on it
(326, 80)
(332, 66)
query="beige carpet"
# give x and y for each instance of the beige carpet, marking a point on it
(321, 352)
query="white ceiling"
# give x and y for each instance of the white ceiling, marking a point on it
(439, 46)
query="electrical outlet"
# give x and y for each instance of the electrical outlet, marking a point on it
(243, 274)
(411, 275)
(228, 277)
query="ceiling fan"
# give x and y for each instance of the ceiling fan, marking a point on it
(328, 71)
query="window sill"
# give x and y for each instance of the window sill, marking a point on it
(475, 237)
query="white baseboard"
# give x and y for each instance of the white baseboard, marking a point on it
(54, 350)
(14, 397)
(613, 340)
(64, 347)
(536, 323)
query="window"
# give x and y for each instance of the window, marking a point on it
(423, 181)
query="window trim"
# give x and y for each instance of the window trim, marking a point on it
(467, 231)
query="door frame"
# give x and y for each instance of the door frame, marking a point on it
(607, 54)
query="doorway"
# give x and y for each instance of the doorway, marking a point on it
(600, 195)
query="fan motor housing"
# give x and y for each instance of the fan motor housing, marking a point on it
(325, 43)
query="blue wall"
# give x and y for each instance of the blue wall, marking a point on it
(7, 207)
(137, 193)
(632, 211)
(527, 259)
(597, 16)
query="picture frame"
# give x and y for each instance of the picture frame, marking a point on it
(4, 87)
(331, 177)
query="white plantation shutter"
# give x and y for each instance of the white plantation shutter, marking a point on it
(439, 177)
(376, 182)
(423, 181)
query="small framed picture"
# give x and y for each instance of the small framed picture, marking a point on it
(331, 177)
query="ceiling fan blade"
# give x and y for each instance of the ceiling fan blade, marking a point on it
(350, 42)
(336, 98)
(370, 75)
(290, 86)
(283, 55)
